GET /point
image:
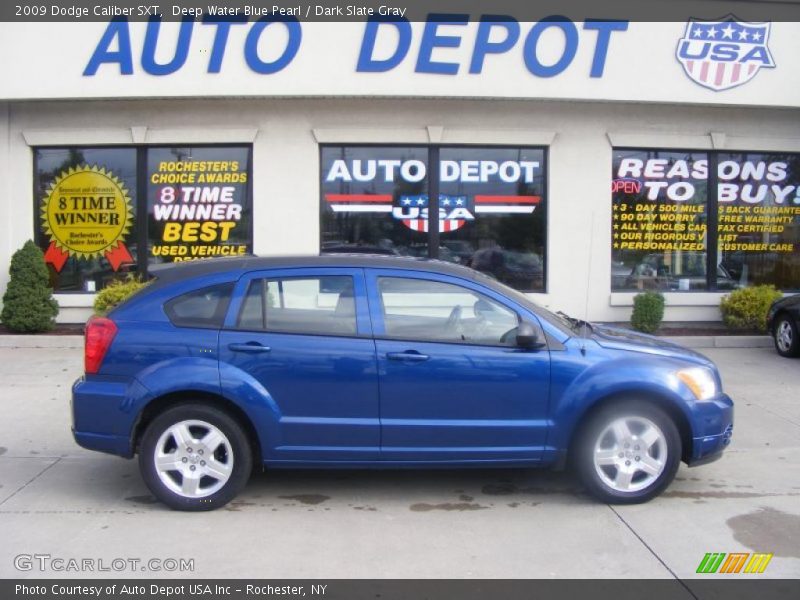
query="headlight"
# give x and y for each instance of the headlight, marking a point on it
(701, 381)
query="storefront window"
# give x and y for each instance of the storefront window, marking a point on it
(93, 228)
(86, 201)
(662, 237)
(659, 218)
(759, 218)
(491, 201)
(198, 203)
(361, 186)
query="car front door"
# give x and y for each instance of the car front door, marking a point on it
(304, 336)
(453, 384)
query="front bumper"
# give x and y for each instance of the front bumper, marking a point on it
(712, 424)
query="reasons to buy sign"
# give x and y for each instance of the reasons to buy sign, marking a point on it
(198, 207)
(87, 213)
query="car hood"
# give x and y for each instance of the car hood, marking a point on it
(625, 339)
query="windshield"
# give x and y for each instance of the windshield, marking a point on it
(566, 325)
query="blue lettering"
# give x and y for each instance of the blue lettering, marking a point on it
(686, 46)
(117, 29)
(220, 39)
(482, 44)
(366, 63)
(604, 30)
(149, 63)
(292, 45)
(431, 39)
(725, 52)
(760, 54)
(570, 46)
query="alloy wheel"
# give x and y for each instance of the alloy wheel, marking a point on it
(193, 458)
(630, 454)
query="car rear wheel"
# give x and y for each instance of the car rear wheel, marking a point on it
(787, 342)
(628, 452)
(195, 457)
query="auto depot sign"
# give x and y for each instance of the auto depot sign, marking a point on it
(445, 56)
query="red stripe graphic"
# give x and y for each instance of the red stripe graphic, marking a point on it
(737, 68)
(334, 198)
(507, 199)
(704, 71)
(720, 73)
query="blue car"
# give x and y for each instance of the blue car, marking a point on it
(221, 365)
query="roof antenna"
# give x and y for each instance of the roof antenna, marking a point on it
(588, 280)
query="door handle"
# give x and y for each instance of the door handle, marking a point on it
(251, 347)
(409, 356)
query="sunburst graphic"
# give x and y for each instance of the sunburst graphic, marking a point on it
(86, 211)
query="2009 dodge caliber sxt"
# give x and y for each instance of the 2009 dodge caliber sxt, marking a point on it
(368, 361)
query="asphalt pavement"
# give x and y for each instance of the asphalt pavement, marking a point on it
(62, 502)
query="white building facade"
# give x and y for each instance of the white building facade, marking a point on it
(579, 162)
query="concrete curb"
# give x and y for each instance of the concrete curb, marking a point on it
(690, 341)
(722, 341)
(41, 341)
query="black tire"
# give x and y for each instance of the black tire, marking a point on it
(793, 348)
(638, 412)
(236, 449)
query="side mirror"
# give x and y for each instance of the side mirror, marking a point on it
(527, 336)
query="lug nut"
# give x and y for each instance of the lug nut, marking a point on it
(637, 458)
(200, 451)
(188, 449)
(192, 468)
(203, 463)
(184, 459)
(621, 455)
(627, 463)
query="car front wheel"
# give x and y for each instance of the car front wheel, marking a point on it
(785, 335)
(628, 452)
(195, 457)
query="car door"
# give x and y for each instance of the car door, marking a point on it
(453, 384)
(304, 336)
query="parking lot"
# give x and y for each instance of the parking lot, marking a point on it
(60, 500)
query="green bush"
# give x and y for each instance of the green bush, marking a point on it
(747, 308)
(115, 293)
(28, 304)
(648, 311)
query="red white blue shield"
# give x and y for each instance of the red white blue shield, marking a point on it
(725, 53)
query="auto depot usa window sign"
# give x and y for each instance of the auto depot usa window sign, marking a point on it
(455, 210)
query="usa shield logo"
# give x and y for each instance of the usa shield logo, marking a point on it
(725, 53)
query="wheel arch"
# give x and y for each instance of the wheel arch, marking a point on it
(659, 400)
(166, 401)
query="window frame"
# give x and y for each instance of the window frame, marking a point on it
(433, 237)
(141, 212)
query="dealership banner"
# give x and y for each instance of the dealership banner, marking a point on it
(711, 586)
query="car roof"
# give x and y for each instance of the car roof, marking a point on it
(172, 272)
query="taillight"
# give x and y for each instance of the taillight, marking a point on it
(100, 332)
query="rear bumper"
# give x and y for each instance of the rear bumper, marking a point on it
(713, 429)
(103, 415)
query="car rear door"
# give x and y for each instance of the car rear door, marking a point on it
(304, 335)
(453, 384)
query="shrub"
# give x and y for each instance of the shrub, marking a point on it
(28, 304)
(747, 308)
(116, 293)
(648, 311)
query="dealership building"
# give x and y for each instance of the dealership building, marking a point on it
(579, 162)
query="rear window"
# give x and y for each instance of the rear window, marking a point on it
(203, 308)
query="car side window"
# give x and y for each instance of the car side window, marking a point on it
(309, 305)
(417, 309)
(204, 308)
